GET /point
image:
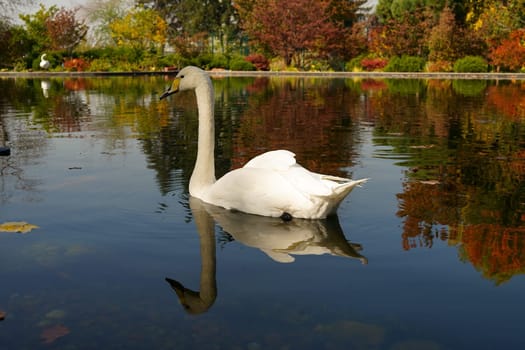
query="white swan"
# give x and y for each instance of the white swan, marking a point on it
(271, 184)
(44, 64)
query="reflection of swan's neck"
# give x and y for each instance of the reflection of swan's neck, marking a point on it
(196, 302)
(208, 286)
(204, 172)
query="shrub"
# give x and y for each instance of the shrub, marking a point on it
(218, 61)
(75, 64)
(405, 64)
(471, 64)
(371, 64)
(239, 63)
(100, 65)
(354, 65)
(259, 61)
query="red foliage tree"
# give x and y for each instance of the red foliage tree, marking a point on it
(65, 30)
(510, 54)
(290, 28)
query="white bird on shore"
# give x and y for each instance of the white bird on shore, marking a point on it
(271, 184)
(44, 64)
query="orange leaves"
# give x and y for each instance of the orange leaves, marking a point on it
(76, 64)
(494, 249)
(510, 54)
(51, 334)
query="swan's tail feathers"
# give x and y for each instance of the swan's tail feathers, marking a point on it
(345, 188)
(340, 192)
(359, 182)
(348, 185)
(344, 180)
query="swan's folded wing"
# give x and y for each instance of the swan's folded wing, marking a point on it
(276, 160)
(283, 162)
(258, 191)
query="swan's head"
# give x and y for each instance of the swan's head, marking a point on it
(43, 57)
(188, 78)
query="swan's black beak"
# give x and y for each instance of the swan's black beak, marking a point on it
(167, 93)
(174, 88)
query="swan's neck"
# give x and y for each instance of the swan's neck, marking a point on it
(204, 172)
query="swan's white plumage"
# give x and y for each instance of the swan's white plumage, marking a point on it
(44, 64)
(270, 184)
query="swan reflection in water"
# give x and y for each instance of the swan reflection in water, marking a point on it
(278, 239)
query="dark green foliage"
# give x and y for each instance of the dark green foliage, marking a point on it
(405, 64)
(471, 64)
(239, 63)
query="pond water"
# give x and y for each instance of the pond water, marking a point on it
(429, 254)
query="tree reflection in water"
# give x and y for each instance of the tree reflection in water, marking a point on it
(460, 144)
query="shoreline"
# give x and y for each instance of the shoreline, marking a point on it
(227, 73)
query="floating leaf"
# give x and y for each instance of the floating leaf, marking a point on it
(422, 146)
(17, 226)
(49, 335)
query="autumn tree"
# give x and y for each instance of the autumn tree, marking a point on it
(352, 19)
(405, 35)
(510, 54)
(449, 41)
(289, 29)
(496, 22)
(141, 28)
(65, 30)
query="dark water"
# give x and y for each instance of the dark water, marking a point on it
(102, 168)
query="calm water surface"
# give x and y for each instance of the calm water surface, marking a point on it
(430, 254)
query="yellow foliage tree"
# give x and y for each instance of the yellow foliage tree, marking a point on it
(141, 28)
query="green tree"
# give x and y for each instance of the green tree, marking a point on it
(214, 22)
(100, 14)
(37, 35)
(387, 10)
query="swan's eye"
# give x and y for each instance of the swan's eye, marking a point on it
(182, 76)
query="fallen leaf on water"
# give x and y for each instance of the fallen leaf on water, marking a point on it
(49, 335)
(17, 226)
(2, 315)
(429, 182)
(422, 146)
